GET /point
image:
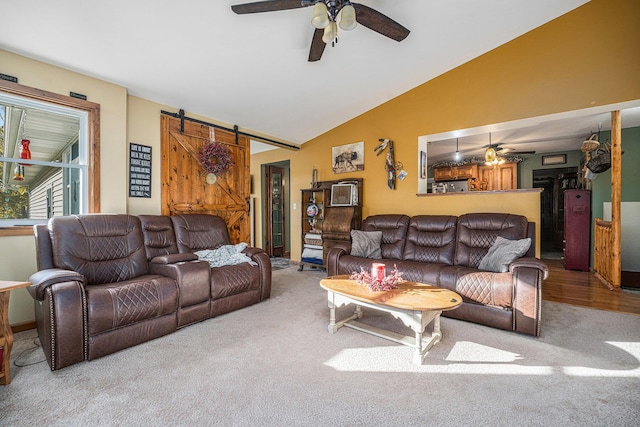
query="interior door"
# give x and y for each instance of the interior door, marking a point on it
(186, 188)
(275, 212)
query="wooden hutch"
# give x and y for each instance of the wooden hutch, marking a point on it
(330, 210)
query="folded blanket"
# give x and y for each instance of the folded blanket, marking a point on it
(312, 253)
(225, 255)
(313, 246)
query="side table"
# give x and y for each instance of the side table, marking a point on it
(6, 334)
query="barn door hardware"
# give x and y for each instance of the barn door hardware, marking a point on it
(180, 115)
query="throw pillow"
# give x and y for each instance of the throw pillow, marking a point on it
(366, 243)
(502, 253)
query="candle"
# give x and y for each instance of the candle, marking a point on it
(378, 271)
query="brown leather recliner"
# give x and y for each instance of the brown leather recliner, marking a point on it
(108, 282)
(445, 251)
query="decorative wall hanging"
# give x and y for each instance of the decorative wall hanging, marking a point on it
(25, 153)
(215, 159)
(348, 157)
(390, 165)
(555, 159)
(139, 170)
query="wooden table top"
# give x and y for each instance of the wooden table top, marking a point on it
(8, 285)
(409, 295)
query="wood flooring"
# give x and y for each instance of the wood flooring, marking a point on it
(585, 290)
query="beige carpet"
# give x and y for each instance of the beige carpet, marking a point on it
(275, 364)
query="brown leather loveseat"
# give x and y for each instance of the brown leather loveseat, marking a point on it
(446, 251)
(108, 282)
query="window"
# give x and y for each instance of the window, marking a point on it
(59, 176)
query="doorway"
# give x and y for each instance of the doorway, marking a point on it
(276, 224)
(553, 182)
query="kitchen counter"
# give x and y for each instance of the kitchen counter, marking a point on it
(464, 193)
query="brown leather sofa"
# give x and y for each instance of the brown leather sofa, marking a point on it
(445, 251)
(108, 282)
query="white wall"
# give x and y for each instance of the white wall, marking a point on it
(630, 228)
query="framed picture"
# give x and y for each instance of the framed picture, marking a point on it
(554, 159)
(423, 164)
(348, 158)
(343, 194)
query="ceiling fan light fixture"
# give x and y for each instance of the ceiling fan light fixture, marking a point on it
(490, 155)
(330, 33)
(320, 17)
(348, 18)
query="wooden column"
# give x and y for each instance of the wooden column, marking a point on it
(616, 186)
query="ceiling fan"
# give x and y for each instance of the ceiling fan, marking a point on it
(498, 147)
(325, 19)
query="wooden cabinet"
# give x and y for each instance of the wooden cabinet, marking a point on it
(577, 236)
(323, 225)
(499, 177)
(442, 174)
(466, 171)
(452, 173)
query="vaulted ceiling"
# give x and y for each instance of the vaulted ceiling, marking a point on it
(252, 70)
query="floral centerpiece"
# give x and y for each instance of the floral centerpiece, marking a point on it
(387, 283)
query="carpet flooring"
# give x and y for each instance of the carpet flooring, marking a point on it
(275, 364)
(278, 263)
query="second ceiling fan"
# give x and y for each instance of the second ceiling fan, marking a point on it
(325, 19)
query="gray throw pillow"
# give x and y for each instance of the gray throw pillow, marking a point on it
(366, 243)
(502, 253)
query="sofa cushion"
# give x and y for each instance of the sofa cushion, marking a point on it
(502, 253)
(159, 238)
(476, 233)
(478, 287)
(115, 305)
(195, 232)
(102, 247)
(366, 243)
(394, 232)
(431, 239)
(233, 280)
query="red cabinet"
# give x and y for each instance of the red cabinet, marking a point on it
(577, 229)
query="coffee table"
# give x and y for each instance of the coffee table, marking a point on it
(415, 304)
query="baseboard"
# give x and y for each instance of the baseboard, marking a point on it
(21, 327)
(630, 279)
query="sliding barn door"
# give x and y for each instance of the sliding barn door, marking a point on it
(185, 187)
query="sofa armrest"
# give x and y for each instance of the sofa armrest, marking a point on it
(528, 274)
(260, 257)
(174, 258)
(61, 315)
(193, 279)
(43, 279)
(530, 262)
(338, 250)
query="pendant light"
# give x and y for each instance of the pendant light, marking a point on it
(457, 156)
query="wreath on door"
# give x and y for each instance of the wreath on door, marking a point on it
(215, 158)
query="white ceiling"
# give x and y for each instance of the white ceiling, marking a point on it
(252, 70)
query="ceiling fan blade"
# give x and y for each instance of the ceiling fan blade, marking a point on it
(268, 6)
(380, 23)
(317, 46)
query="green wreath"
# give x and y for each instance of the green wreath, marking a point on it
(215, 158)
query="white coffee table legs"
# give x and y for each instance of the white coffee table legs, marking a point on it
(414, 319)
